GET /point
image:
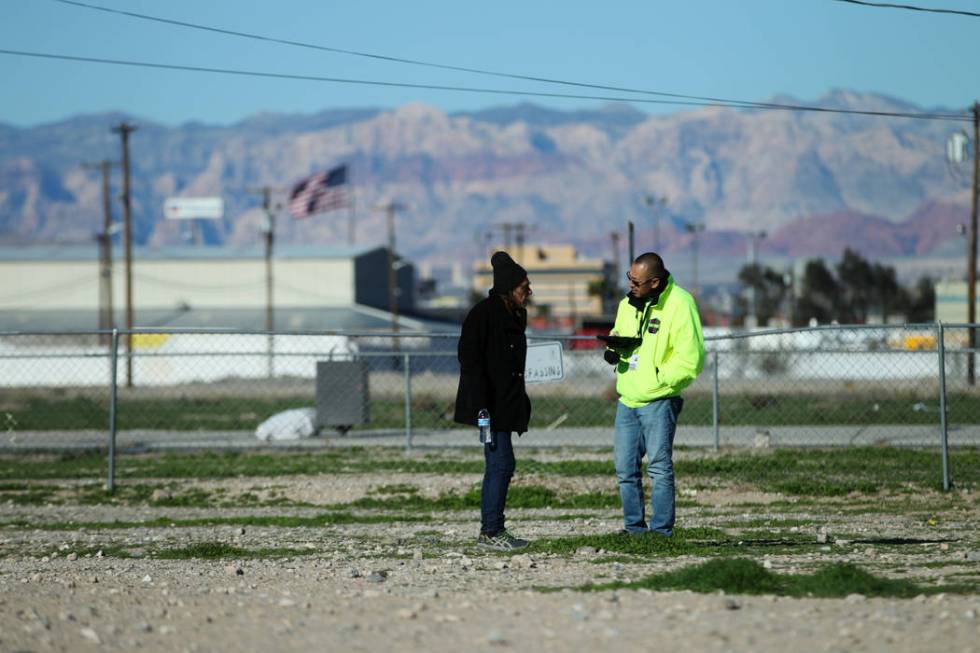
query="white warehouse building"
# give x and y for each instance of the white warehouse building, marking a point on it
(314, 288)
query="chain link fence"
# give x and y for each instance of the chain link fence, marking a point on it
(840, 386)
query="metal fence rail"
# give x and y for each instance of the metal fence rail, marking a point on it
(153, 389)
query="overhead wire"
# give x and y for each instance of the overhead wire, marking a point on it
(892, 5)
(430, 64)
(393, 59)
(470, 89)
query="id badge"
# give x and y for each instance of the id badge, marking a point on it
(634, 361)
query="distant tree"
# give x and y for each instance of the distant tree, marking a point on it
(769, 288)
(922, 302)
(819, 294)
(607, 291)
(890, 297)
(856, 279)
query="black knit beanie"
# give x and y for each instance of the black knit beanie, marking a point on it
(507, 274)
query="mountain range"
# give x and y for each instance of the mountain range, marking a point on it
(813, 182)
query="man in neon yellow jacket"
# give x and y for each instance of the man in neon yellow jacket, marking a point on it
(649, 379)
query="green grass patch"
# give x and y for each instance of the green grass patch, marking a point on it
(829, 473)
(741, 576)
(519, 496)
(283, 521)
(186, 412)
(220, 550)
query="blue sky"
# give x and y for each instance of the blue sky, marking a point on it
(740, 49)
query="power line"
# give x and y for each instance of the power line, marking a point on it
(429, 64)
(890, 5)
(470, 89)
(382, 57)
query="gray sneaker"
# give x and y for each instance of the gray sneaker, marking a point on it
(502, 541)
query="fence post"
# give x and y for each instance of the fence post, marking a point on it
(407, 359)
(113, 397)
(943, 432)
(714, 399)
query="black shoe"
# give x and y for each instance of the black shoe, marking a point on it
(502, 541)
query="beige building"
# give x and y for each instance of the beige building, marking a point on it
(559, 278)
(315, 287)
(951, 302)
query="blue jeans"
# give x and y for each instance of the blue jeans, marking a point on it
(648, 430)
(500, 464)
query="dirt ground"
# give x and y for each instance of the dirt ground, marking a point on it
(423, 586)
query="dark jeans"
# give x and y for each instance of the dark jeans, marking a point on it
(500, 464)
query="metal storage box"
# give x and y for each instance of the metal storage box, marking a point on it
(341, 394)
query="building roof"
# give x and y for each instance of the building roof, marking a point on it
(76, 252)
(356, 318)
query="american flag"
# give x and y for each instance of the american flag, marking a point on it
(321, 192)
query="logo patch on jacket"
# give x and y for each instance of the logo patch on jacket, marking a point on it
(654, 325)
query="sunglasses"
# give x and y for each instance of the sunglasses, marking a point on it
(634, 282)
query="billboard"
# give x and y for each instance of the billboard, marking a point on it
(189, 208)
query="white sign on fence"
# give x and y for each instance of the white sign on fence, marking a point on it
(190, 208)
(544, 363)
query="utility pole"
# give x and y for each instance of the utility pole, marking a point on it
(755, 238)
(104, 238)
(519, 229)
(269, 231)
(614, 290)
(632, 240)
(971, 265)
(124, 129)
(390, 207)
(694, 228)
(654, 203)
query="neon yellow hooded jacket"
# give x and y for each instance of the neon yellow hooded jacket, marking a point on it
(671, 354)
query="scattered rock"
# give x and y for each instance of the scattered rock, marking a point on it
(72, 557)
(732, 604)
(585, 551)
(406, 613)
(523, 561)
(161, 494)
(377, 576)
(496, 638)
(90, 635)
(856, 598)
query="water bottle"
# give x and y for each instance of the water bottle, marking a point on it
(483, 422)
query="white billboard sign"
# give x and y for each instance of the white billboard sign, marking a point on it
(189, 208)
(544, 363)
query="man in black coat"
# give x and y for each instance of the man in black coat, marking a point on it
(492, 351)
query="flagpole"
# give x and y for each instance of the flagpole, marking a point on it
(351, 213)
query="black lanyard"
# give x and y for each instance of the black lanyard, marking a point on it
(644, 319)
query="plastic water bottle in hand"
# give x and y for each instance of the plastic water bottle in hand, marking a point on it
(483, 422)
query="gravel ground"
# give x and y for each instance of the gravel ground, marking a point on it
(422, 586)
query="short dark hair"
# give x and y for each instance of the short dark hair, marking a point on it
(653, 263)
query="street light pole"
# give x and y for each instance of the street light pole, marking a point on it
(104, 239)
(971, 266)
(124, 129)
(390, 207)
(654, 203)
(694, 228)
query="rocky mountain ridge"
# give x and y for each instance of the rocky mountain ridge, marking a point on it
(815, 182)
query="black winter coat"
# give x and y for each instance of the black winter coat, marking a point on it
(492, 351)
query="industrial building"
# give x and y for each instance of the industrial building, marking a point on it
(560, 281)
(314, 288)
